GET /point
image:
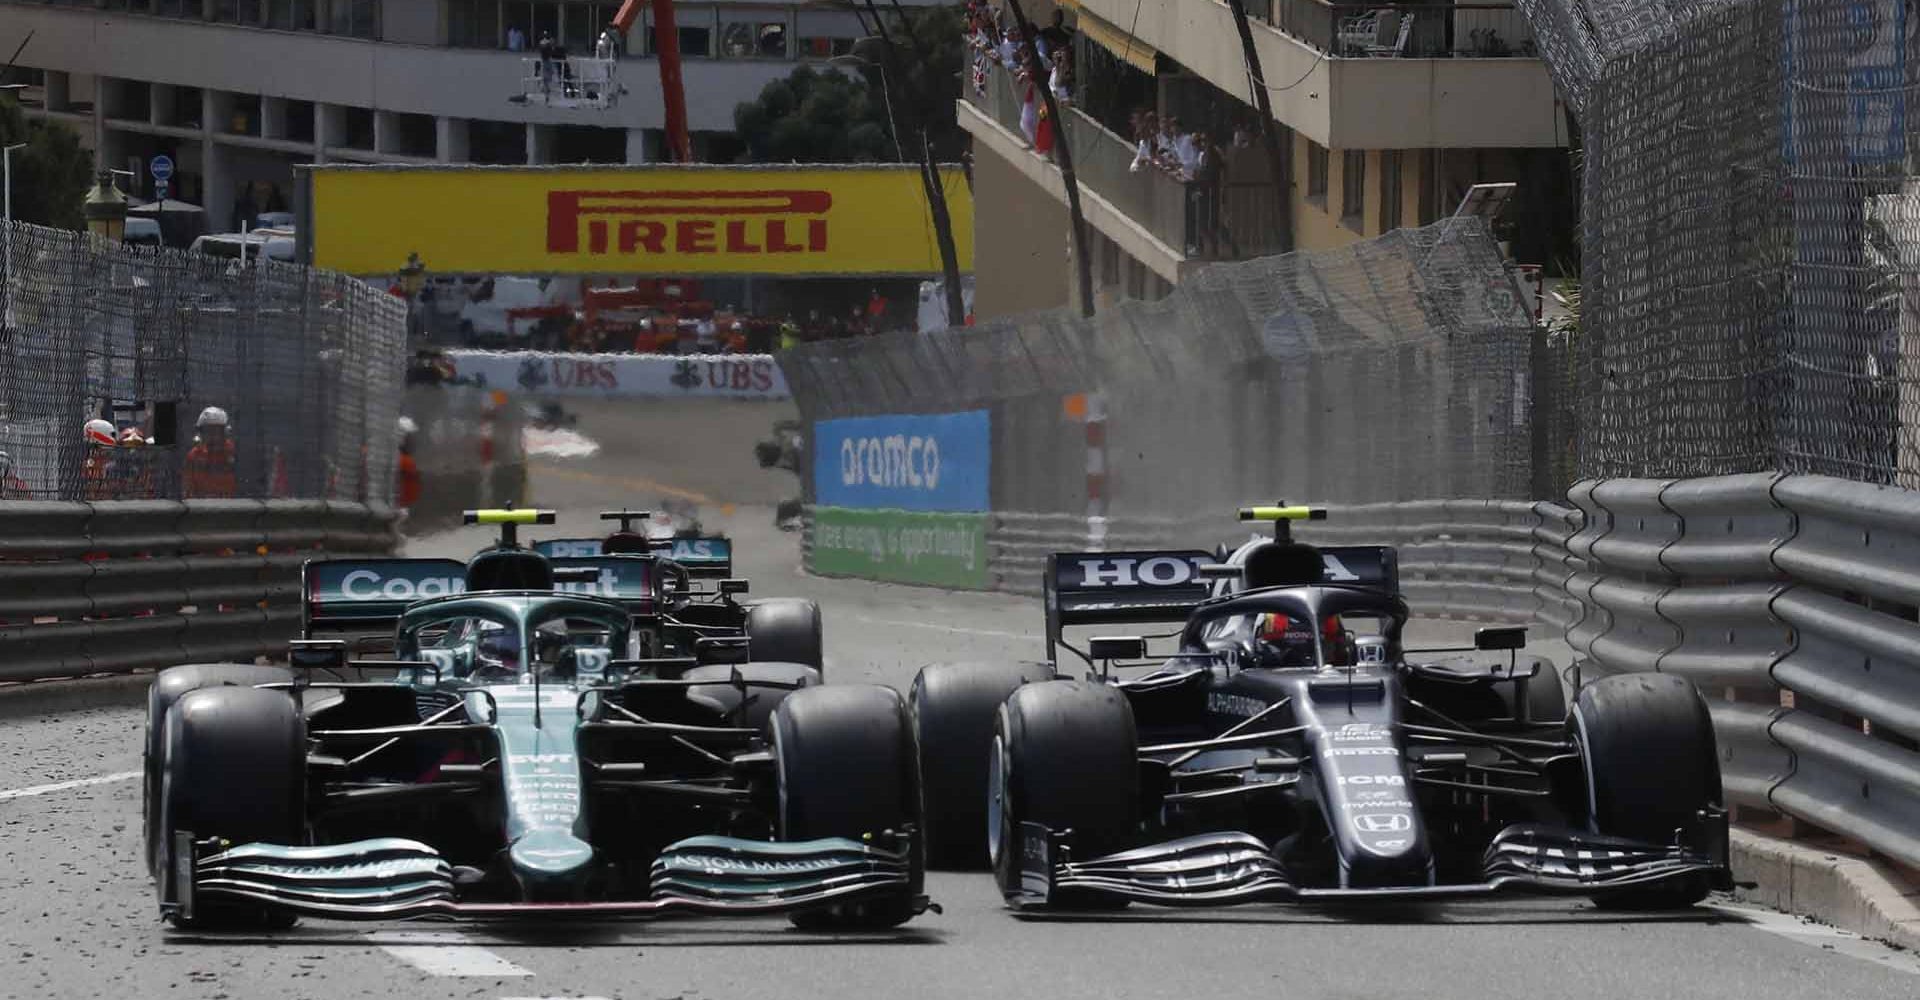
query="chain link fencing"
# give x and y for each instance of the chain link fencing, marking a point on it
(1751, 234)
(1395, 368)
(306, 363)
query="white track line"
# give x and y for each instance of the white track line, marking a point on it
(61, 786)
(1823, 937)
(445, 953)
(962, 629)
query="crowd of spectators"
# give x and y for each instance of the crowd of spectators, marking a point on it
(996, 40)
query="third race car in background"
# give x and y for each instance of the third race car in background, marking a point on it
(1287, 747)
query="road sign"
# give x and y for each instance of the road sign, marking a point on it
(159, 190)
(161, 167)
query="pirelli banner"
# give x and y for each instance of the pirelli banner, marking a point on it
(678, 220)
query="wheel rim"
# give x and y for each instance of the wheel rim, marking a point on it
(996, 799)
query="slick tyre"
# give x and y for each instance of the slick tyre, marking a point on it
(1064, 756)
(167, 689)
(785, 630)
(233, 766)
(954, 708)
(847, 768)
(725, 698)
(1646, 742)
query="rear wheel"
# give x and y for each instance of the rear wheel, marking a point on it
(168, 687)
(1546, 696)
(233, 766)
(846, 764)
(1064, 756)
(785, 630)
(954, 708)
(722, 695)
(1647, 744)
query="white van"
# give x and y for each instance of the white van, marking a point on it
(274, 244)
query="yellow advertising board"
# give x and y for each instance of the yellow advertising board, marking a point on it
(644, 220)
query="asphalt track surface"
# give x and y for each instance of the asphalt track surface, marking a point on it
(77, 917)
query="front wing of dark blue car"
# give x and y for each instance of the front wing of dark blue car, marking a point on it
(1224, 869)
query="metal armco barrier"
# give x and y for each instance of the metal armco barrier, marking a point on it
(112, 587)
(1789, 600)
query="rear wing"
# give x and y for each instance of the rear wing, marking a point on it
(630, 580)
(366, 596)
(702, 557)
(1110, 588)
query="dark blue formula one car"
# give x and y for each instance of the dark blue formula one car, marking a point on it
(521, 763)
(1287, 747)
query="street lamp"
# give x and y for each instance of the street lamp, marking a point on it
(105, 208)
(886, 94)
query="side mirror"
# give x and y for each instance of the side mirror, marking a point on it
(1117, 647)
(1500, 637)
(317, 654)
(731, 586)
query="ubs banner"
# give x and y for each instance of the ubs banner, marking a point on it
(678, 219)
(903, 498)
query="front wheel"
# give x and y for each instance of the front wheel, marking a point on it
(233, 767)
(846, 769)
(1646, 742)
(1064, 756)
(954, 707)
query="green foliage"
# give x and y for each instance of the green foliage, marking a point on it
(827, 114)
(51, 175)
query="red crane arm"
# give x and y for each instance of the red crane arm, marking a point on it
(666, 35)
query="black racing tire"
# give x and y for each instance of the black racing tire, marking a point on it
(167, 689)
(785, 630)
(1065, 755)
(954, 708)
(847, 768)
(723, 697)
(233, 766)
(1646, 742)
(1546, 695)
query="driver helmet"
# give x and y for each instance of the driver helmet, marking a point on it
(499, 649)
(1288, 642)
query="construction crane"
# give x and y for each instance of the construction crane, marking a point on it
(592, 82)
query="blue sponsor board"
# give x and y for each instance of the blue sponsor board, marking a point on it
(935, 462)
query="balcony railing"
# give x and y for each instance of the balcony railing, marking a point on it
(1245, 224)
(1404, 30)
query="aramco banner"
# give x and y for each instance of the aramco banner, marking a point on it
(903, 498)
(653, 220)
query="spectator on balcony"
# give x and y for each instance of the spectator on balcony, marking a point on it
(603, 49)
(1055, 34)
(1060, 80)
(1204, 194)
(516, 39)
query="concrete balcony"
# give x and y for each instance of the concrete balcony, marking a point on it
(1457, 77)
(1153, 216)
(386, 76)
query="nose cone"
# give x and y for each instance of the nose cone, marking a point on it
(549, 862)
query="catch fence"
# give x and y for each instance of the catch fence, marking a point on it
(306, 363)
(1395, 368)
(1751, 234)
